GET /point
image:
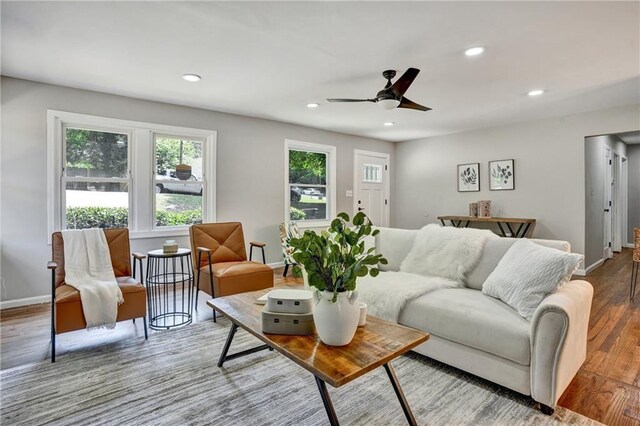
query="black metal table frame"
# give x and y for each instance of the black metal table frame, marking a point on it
(157, 290)
(322, 387)
(519, 233)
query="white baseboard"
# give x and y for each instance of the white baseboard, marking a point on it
(6, 304)
(628, 246)
(589, 269)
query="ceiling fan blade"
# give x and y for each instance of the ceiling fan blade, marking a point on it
(402, 84)
(406, 103)
(351, 100)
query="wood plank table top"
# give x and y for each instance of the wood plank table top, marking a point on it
(373, 345)
(489, 219)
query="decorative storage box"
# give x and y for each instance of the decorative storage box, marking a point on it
(284, 323)
(170, 247)
(290, 301)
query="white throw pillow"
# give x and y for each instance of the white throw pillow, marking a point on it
(527, 273)
(445, 251)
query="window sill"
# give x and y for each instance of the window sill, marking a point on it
(306, 224)
(160, 233)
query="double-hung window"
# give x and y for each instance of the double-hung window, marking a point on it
(309, 183)
(154, 179)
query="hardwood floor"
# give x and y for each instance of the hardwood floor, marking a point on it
(607, 387)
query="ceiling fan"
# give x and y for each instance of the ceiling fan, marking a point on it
(392, 96)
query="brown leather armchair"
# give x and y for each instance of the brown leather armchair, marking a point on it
(220, 260)
(66, 307)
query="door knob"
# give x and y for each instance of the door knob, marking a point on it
(606, 210)
(360, 209)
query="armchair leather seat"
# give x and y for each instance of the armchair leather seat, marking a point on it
(236, 277)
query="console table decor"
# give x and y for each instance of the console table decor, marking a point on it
(169, 289)
(504, 223)
(374, 345)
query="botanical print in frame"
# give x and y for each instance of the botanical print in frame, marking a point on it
(469, 177)
(501, 175)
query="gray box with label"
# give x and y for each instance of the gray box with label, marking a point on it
(284, 323)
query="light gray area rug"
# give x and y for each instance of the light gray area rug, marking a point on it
(172, 379)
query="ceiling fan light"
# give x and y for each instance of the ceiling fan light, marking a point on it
(389, 103)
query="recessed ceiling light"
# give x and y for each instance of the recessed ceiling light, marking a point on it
(474, 51)
(313, 105)
(536, 92)
(389, 123)
(191, 77)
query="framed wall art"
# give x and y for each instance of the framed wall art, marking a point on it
(502, 175)
(469, 177)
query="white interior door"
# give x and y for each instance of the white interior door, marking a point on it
(617, 203)
(371, 186)
(608, 217)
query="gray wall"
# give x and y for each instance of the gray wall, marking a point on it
(633, 154)
(250, 171)
(594, 192)
(549, 172)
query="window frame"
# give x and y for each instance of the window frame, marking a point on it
(330, 151)
(141, 169)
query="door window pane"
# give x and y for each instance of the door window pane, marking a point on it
(372, 173)
(97, 205)
(93, 153)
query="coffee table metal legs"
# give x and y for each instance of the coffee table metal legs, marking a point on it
(322, 387)
(331, 413)
(224, 357)
(326, 400)
(400, 394)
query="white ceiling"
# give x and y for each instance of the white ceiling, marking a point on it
(269, 59)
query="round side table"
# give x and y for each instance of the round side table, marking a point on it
(169, 289)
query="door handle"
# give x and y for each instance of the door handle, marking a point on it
(360, 209)
(606, 210)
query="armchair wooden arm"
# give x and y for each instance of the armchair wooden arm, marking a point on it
(261, 246)
(138, 257)
(52, 265)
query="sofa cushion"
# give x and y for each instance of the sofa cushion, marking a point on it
(493, 252)
(468, 317)
(527, 273)
(394, 244)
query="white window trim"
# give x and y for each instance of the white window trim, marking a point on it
(330, 150)
(140, 198)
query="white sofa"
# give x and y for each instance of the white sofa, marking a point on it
(484, 336)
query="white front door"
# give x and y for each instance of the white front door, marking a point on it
(608, 217)
(371, 186)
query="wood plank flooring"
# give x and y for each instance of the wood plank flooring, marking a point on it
(607, 387)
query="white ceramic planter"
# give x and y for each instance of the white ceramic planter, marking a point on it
(336, 323)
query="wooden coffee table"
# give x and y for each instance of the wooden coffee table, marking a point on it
(373, 346)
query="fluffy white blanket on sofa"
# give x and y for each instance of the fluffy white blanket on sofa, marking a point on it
(388, 293)
(441, 257)
(445, 251)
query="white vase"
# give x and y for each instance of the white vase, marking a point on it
(336, 322)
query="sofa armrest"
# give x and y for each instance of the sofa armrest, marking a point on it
(559, 340)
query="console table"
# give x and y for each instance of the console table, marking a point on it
(504, 223)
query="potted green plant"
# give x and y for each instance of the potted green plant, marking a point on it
(333, 260)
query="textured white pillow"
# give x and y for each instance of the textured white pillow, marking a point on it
(527, 273)
(445, 251)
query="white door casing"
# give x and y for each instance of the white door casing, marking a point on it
(371, 185)
(608, 217)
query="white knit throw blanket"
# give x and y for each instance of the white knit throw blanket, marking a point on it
(387, 294)
(87, 266)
